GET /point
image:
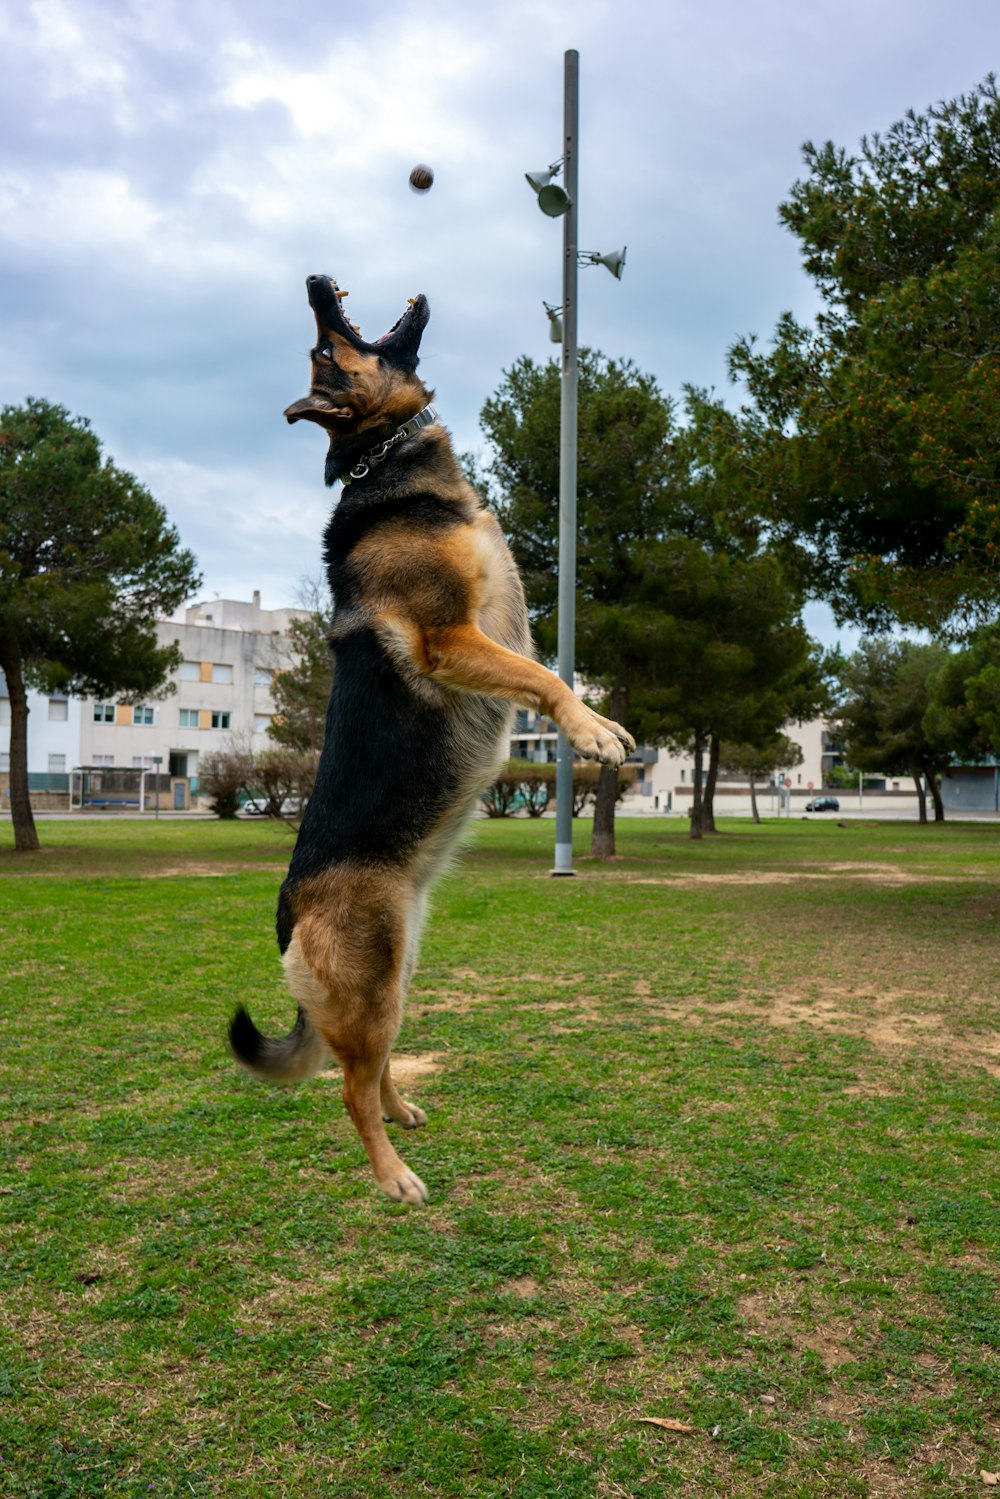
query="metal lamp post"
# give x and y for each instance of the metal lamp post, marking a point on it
(556, 202)
(567, 461)
(157, 761)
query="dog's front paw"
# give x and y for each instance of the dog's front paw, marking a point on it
(405, 1186)
(598, 738)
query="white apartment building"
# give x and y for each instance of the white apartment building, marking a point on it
(230, 651)
(53, 737)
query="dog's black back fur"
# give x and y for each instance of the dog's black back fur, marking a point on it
(390, 769)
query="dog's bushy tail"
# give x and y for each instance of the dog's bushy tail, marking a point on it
(282, 1059)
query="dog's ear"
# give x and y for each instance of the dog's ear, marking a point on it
(317, 408)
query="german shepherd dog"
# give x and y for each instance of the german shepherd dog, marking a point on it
(431, 650)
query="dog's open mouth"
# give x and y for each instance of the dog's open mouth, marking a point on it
(386, 336)
(326, 297)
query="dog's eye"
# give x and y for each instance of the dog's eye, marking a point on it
(324, 351)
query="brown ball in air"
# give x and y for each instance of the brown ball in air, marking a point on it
(421, 179)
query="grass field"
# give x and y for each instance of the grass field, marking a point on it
(713, 1140)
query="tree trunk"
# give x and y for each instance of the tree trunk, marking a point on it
(697, 805)
(25, 834)
(708, 810)
(921, 799)
(753, 799)
(934, 786)
(602, 838)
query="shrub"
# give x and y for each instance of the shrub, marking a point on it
(223, 777)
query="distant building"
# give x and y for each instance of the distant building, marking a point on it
(230, 652)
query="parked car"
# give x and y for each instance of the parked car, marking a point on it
(256, 806)
(823, 804)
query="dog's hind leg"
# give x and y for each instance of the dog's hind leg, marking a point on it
(345, 966)
(395, 1108)
(363, 1074)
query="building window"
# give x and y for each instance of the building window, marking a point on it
(142, 762)
(57, 764)
(261, 677)
(189, 671)
(189, 718)
(220, 720)
(683, 775)
(222, 675)
(102, 760)
(142, 714)
(58, 710)
(104, 712)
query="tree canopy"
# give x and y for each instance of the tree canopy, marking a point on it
(88, 561)
(301, 691)
(964, 708)
(884, 720)
(873, 431)
(683, 617)
(625, 425)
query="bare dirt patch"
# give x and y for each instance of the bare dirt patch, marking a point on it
(206, 871)
(525, 1286)
(887, 1020)
(831, 1340)
(880, 874)
(406, 1069)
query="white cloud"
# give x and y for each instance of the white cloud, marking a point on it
(242, 522)
(69, 215)
(77, 64)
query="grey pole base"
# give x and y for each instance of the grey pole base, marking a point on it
(564, 860)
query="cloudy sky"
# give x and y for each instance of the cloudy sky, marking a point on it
(171, 170)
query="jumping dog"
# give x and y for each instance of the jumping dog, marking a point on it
(431, 649)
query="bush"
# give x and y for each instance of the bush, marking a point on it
(521, 786)
(841, 778)
(538, 787)
(223, 778)
(501, 797)
(280, 779)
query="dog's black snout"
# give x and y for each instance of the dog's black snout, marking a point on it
(319, 290)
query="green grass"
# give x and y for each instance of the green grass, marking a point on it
(713, 1138)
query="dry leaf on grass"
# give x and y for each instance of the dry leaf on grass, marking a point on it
(666, 1423)
(992, 1479)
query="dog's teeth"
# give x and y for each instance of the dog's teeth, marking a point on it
(412, 301)
(341, 294)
